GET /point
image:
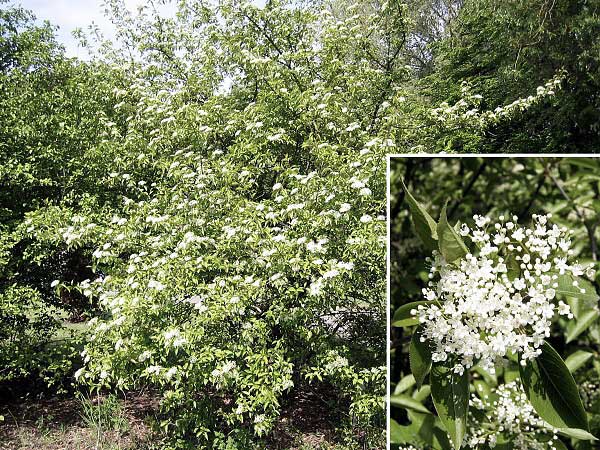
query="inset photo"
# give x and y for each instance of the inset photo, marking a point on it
(494, 331)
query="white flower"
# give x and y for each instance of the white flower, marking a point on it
(169, 373)
(331, 273)
(54, 283)
(276, 277)
(564, 309)
(153, 369)
(518, 235)
(153, 284)
(144, 356)
(366, 218)
(316, 288)
(346, 265)
(345, 207)
(481, 313)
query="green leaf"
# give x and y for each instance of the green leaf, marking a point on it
(511, 373)
(397, 433)
(490, 378)
(425, 226)
(581, 324)
(419, 356)
(430, 431)
(559, 445)
(566, 288)
(404, 401)
(586, 163)
(422, 393)
(450, 393)
(451, 245)
(482, 389)
(552, 391)
(404, 384)
(403, 317)
(578, 434)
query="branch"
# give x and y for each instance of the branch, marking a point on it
(589, 228)
(533, 197)
(468, 188)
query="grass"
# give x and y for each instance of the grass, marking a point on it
(81, 423)
(109, 422)
(102, 415)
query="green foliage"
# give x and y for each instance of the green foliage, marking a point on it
(403, 316)
(103, 414)
(420, 357)
(451, 245)
(202, 204)
(552, 391)
(425, 226)
(504, 49)
(450, 394)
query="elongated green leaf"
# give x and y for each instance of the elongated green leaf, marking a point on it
(586, 163)
(419, 431)
(419, 356)
(404, 401)
(450, 393)
(450, 243)
(490, 378)
(403, 317)
(581, 324)
(552, 391)
(404, 384)
(577, 434)
(425, 226)
(565, 287)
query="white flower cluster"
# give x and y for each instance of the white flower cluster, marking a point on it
(510, 414)
(501, 301)
(590, 393)
(467, 108)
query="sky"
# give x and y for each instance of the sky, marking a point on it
(71, 14)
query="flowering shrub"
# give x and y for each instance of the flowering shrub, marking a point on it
(490, 311)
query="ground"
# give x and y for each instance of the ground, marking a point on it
(306, 422)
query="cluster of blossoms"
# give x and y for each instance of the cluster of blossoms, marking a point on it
(467, 111)
(509, 414)
(501, 301)
(590, 393)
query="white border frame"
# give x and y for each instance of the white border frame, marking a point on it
(388, 236)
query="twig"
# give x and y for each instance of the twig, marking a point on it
(533, 197)
(468, 188)
(590, 229)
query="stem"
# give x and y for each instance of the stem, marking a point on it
(589, 228)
